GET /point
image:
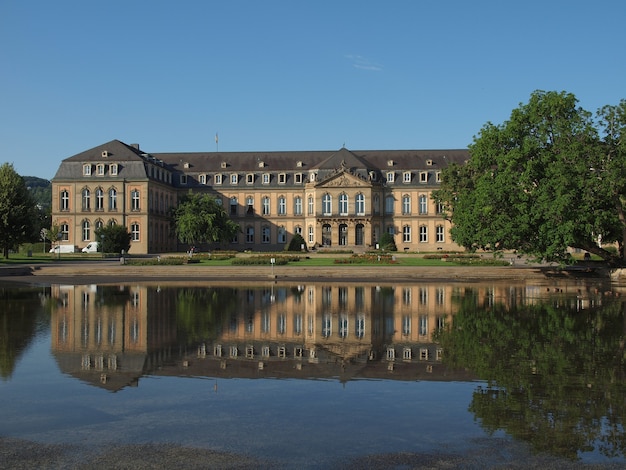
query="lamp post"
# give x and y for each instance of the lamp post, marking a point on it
(102, 244)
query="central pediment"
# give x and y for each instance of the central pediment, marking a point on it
(344, 179)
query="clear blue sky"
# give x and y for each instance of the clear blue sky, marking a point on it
(289, 75)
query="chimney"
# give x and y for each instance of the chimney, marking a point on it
(135, 146)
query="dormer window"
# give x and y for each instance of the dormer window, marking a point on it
(100, 169)
(105, 153)
(186, 165)
(438, 177)
(202, 179)
(183, 179)
(113, 169)
(298, 178)
(218, 178)
(390, 177)
(234, 178)
(266, 178)
(406, 177)
(224, 165)
(86, 169)
(429, 162)
(389, 162)
(424, 177)
(250, 178)
(299, 164)
(261, 164)
(282, 178)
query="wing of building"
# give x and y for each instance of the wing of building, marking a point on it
(341, 199)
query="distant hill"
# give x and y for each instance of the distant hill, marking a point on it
(41, 190)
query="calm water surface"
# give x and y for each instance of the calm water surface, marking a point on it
(318, 373)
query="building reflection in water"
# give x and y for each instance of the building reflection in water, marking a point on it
(110, 336)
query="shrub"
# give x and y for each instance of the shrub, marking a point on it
(387, 242)
(296, 243)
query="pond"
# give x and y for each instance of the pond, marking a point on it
(320, 375)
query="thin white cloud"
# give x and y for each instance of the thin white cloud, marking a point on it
(363, 63)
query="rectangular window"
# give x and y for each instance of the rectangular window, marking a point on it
(390, 177)
(202, 179)
(265, 235)
(297, 206)
(311, 235)
(183, 179)
(100, 169)
(134, 198)
(298, 178)
(438, 177)
(266, 178)
(282, 178)
(406, 234)
(113, 169)
(424, 177)
(87, 170)
(282, 206)
(218, 178)
(250, 178)
(423, 234)
(440, 234)
(406, 177)
(234, 178)
(134, 231)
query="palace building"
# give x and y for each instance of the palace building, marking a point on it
(339, 199)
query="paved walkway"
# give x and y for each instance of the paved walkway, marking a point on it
(107, 271)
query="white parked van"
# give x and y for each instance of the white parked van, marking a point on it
(63, 249)
(92, 247)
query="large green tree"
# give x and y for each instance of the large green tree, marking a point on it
(548, 179)
(199, 218)
(17, 210)
(113, 239)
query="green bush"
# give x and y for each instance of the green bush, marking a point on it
(296, 243)
(387, 242)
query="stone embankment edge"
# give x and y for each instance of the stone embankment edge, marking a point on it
(88, 273)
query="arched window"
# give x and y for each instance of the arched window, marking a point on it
(265, 205)
(282, 205)
(343, 204)
(65, 200)
(99, 199)
(297, 205)
(86, 199)
(86, 230)
(265, 234)
(112, 199)
(440, 234)
(282, 235)
(406, 204)
(423, 204)
(360, 204)
(406, 234)
(134, 200)
(389, 203)
(327, 204)
(134, 231)
(233, 205)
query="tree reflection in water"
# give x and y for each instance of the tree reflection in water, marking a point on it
(554, 371)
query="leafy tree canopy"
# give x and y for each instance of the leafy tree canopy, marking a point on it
(17, 210)
(199, 218)
(113, 239)
(549, 178)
